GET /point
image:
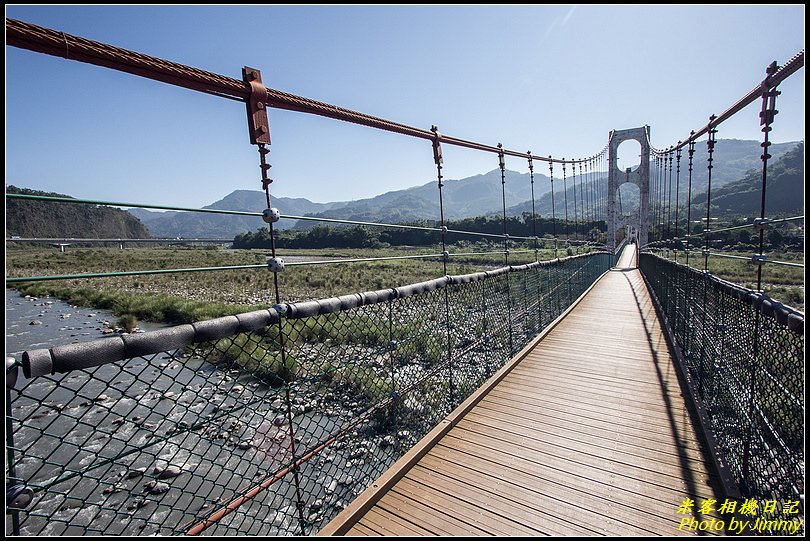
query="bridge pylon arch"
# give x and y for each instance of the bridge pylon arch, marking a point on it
(636, 222)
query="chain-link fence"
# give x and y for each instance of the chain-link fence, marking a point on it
(744, 354)
(266, 423)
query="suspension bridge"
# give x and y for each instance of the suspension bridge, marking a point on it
(609, 392)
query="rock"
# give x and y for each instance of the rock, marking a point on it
(91, 315)
(279, 421)
(332, 486)
(237, 389)
(388, 441)
(36, 322)
(157, 488)
(244, 445)
(347, 481)
(316, 505)
(137, 472)
(403, 433)
(136, 504)
(170, 471)
(111, 489)
(102, 398)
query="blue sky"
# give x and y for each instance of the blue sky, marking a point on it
(550, 79)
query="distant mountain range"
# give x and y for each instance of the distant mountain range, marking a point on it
(465, 198)
(784, 193)
(479, 195)
(734, 160)
(204, 225)
(473, 196)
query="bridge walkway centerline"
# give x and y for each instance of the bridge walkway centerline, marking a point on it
(586, 431)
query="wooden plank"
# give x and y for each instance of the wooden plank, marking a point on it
(574, 416)
(565, 436)
(601, 357)
(536, 439)
(571, 366)
(569, 475)
(659, 419)
(465, 501)
(614, 512)
(415, 510)
(510, 519)
(346, 518)
(555, 473)
(393, 524)
(613, 412)
(578, 429)
(539, 401)
(510, 496)
(623, 469)
(638, 396)
(360, 529)
(587, 433)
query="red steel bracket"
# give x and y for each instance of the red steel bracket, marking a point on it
(258, 124)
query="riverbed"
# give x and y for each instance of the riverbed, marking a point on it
(220, 430)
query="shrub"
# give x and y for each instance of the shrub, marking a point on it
(128, 322)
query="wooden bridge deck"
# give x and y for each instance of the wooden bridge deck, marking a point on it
(585, 432)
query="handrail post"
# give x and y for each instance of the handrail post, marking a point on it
(11, 379)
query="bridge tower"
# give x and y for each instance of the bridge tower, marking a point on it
(636, 222)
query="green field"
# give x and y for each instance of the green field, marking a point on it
(193, 296)
(780, 282)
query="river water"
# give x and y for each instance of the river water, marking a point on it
(59, 323)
